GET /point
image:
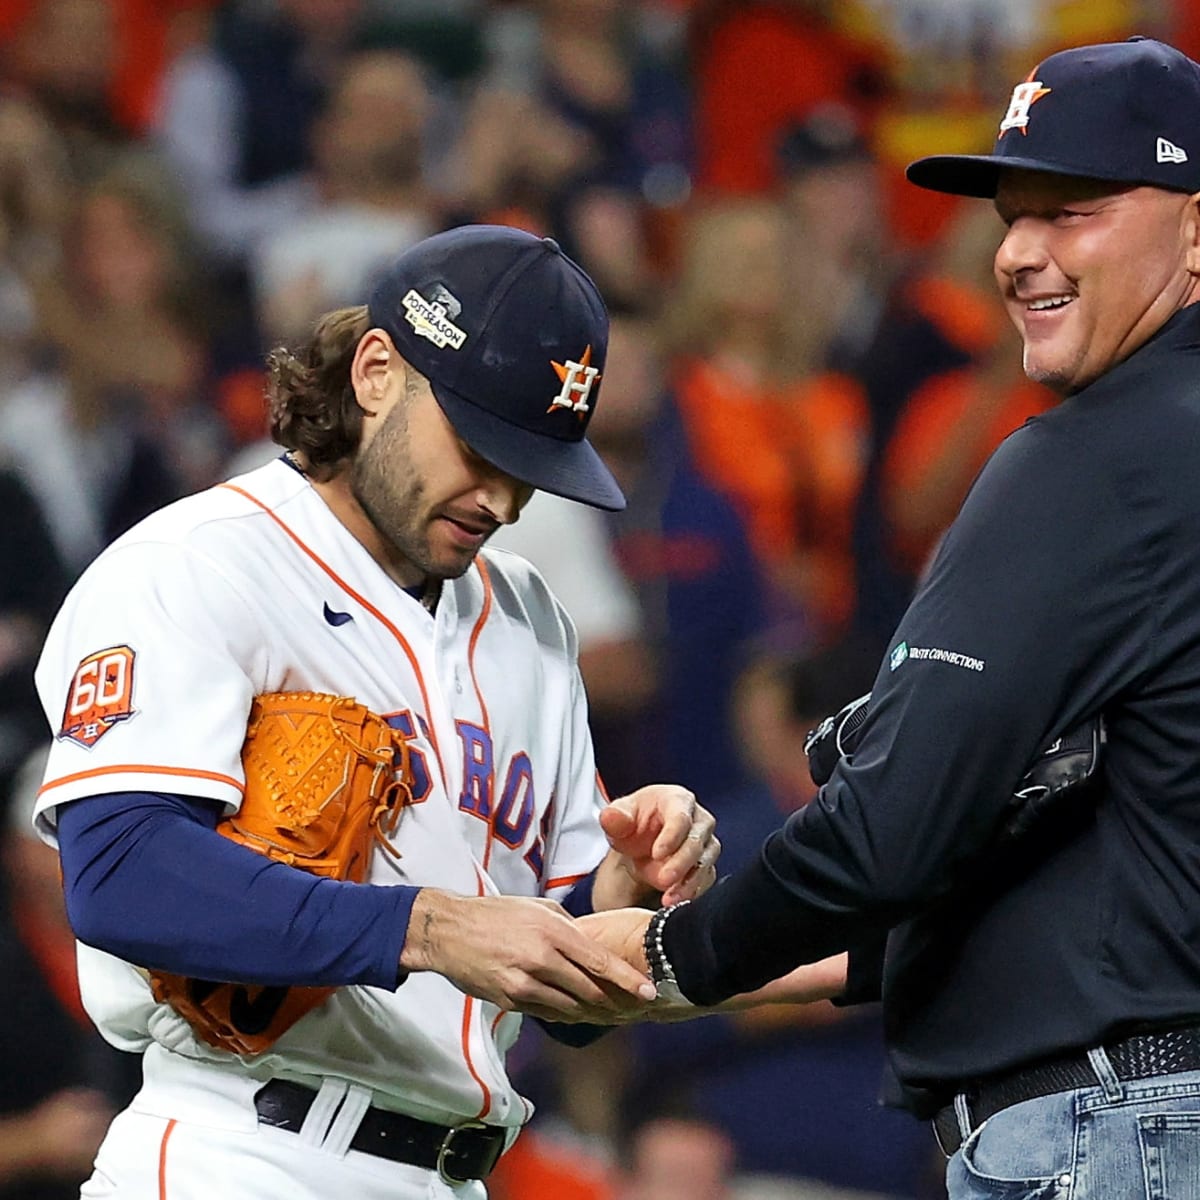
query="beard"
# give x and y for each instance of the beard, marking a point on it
(385, 483)
(388, 486)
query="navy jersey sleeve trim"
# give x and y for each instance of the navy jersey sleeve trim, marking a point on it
(149, 880)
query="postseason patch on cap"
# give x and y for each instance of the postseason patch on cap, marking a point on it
(434, 318)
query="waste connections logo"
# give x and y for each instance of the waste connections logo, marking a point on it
(903, 652)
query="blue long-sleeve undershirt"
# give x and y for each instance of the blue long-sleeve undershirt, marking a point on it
(148, 880)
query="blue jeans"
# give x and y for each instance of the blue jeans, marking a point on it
(1118, 1141)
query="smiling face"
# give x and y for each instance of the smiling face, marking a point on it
(428, 495)
(1089, 270)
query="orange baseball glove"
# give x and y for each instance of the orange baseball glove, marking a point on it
(326, 779)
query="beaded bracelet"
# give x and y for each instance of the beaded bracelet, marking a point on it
(661, 971)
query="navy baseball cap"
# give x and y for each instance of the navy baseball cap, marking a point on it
(512, 336)
(1122, 111)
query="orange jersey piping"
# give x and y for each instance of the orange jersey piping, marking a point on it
(142, 769)
(564, 880)
(468, 1009)
(162, 1160)
(483, 712)
(391, 628)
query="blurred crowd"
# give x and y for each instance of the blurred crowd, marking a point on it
(808, 365)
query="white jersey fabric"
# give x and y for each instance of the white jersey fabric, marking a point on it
(254, 586)
(570, 545)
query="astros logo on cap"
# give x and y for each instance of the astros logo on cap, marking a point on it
(577, 379)
(1024, 95)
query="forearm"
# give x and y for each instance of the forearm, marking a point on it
(149, 880)
(824, 980)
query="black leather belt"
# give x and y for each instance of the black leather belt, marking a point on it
(457, 1153)
(1142, 1056)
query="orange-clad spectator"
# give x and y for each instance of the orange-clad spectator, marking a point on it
(760, 67)
(788, 448)
(954, 420)
(949, 428)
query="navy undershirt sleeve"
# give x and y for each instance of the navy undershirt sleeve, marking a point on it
(148, 880)
(578, 901)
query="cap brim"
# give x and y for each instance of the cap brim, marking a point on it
(979, 174)
(570, 469)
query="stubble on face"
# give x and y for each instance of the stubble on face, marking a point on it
(385, 482)
(395, 475)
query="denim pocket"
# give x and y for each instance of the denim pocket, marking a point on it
(1171, 1154)
(1025, 1152)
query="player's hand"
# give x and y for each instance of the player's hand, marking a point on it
(523, 954)
(662, 841)
(623, 931)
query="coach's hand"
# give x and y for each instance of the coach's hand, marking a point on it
(523, 954)
(662, 841)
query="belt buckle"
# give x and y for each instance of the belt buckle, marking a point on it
(447, 1148)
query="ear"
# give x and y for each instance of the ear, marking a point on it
(373, 357)
(1191, 234)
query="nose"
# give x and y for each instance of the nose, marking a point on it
(502, 496)
(1023, 249)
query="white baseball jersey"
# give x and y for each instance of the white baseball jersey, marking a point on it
(254, 586)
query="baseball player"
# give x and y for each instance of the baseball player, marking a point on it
(354, 567)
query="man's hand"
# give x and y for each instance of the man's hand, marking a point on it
(662, 841)
(524, 954)
(623, 932)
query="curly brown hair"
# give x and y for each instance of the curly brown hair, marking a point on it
(310, 398)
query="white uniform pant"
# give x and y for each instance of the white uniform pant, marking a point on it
(192, 1134)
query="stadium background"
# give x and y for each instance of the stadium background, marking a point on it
(808, 366)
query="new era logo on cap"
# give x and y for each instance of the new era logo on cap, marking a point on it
(1168, 152)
